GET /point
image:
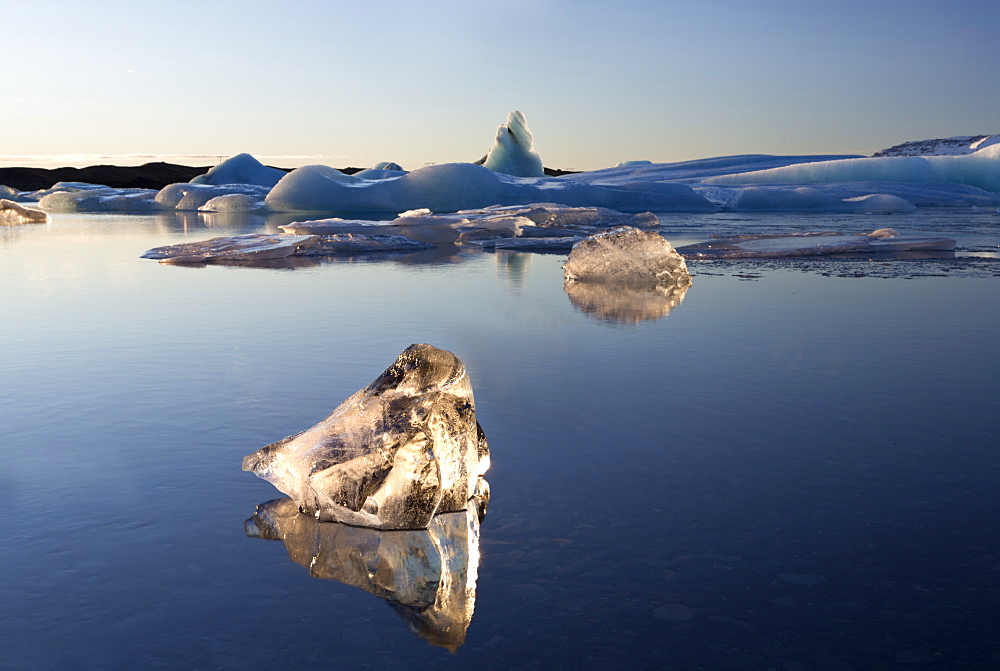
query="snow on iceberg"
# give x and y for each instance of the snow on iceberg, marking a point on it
(241, 169)
(513, 150)
(13, 213)
(394, 454)
(451, 187)
(428, 576)
(626, 255)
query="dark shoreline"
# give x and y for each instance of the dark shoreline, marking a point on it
(146, 176)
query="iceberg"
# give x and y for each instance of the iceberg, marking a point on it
(452, 187)
(627, 256)
(250, 247)
(392, 456)
(513, 150)
(100, 199)
(241, 169)
(191, 196)
(427, 576)
(980, 169)
(234, 202)
(13, 213)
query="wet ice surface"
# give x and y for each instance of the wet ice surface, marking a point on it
(794, 472)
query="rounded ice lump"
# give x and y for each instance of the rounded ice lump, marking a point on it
(394, 454)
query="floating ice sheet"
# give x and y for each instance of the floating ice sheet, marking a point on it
(250, 247)
(813, 244)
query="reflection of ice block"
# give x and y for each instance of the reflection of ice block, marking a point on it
(397, 452)
(625, 304)
(626, 255)
(427, 576)
(513, 151)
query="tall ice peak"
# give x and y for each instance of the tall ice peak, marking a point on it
(513, 151)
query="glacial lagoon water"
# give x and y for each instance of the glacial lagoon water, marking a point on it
(791, 466)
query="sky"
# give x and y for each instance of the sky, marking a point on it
(420, 82)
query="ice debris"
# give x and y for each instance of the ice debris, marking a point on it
(13, 213)
(628, 256)
(249, 247)
(392, 456)
(513, 151)
(428, 576)
(241, 169)
(537, 226)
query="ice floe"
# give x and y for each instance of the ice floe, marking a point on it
(813, 244)
(249, 247)
(392, 456)
(13, 213)
(100, 199)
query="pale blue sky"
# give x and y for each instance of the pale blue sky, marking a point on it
(353, 83)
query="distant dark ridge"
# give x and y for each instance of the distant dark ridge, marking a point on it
(148, 176)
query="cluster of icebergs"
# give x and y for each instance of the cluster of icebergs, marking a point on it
(511, 173)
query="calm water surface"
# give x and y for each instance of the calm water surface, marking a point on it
(793, 468)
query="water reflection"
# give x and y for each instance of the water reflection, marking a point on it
(623, 303)
(428, 576)
(513, 267)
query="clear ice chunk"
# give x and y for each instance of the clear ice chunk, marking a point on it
(394, 454)
(626, 255)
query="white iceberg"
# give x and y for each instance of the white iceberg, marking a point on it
(513, 151)
(234, 202)
(190, 196)
(392, 456)
(980, 169)
(241, 169)
(13, 213)
(451, 187)
(100, 199)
